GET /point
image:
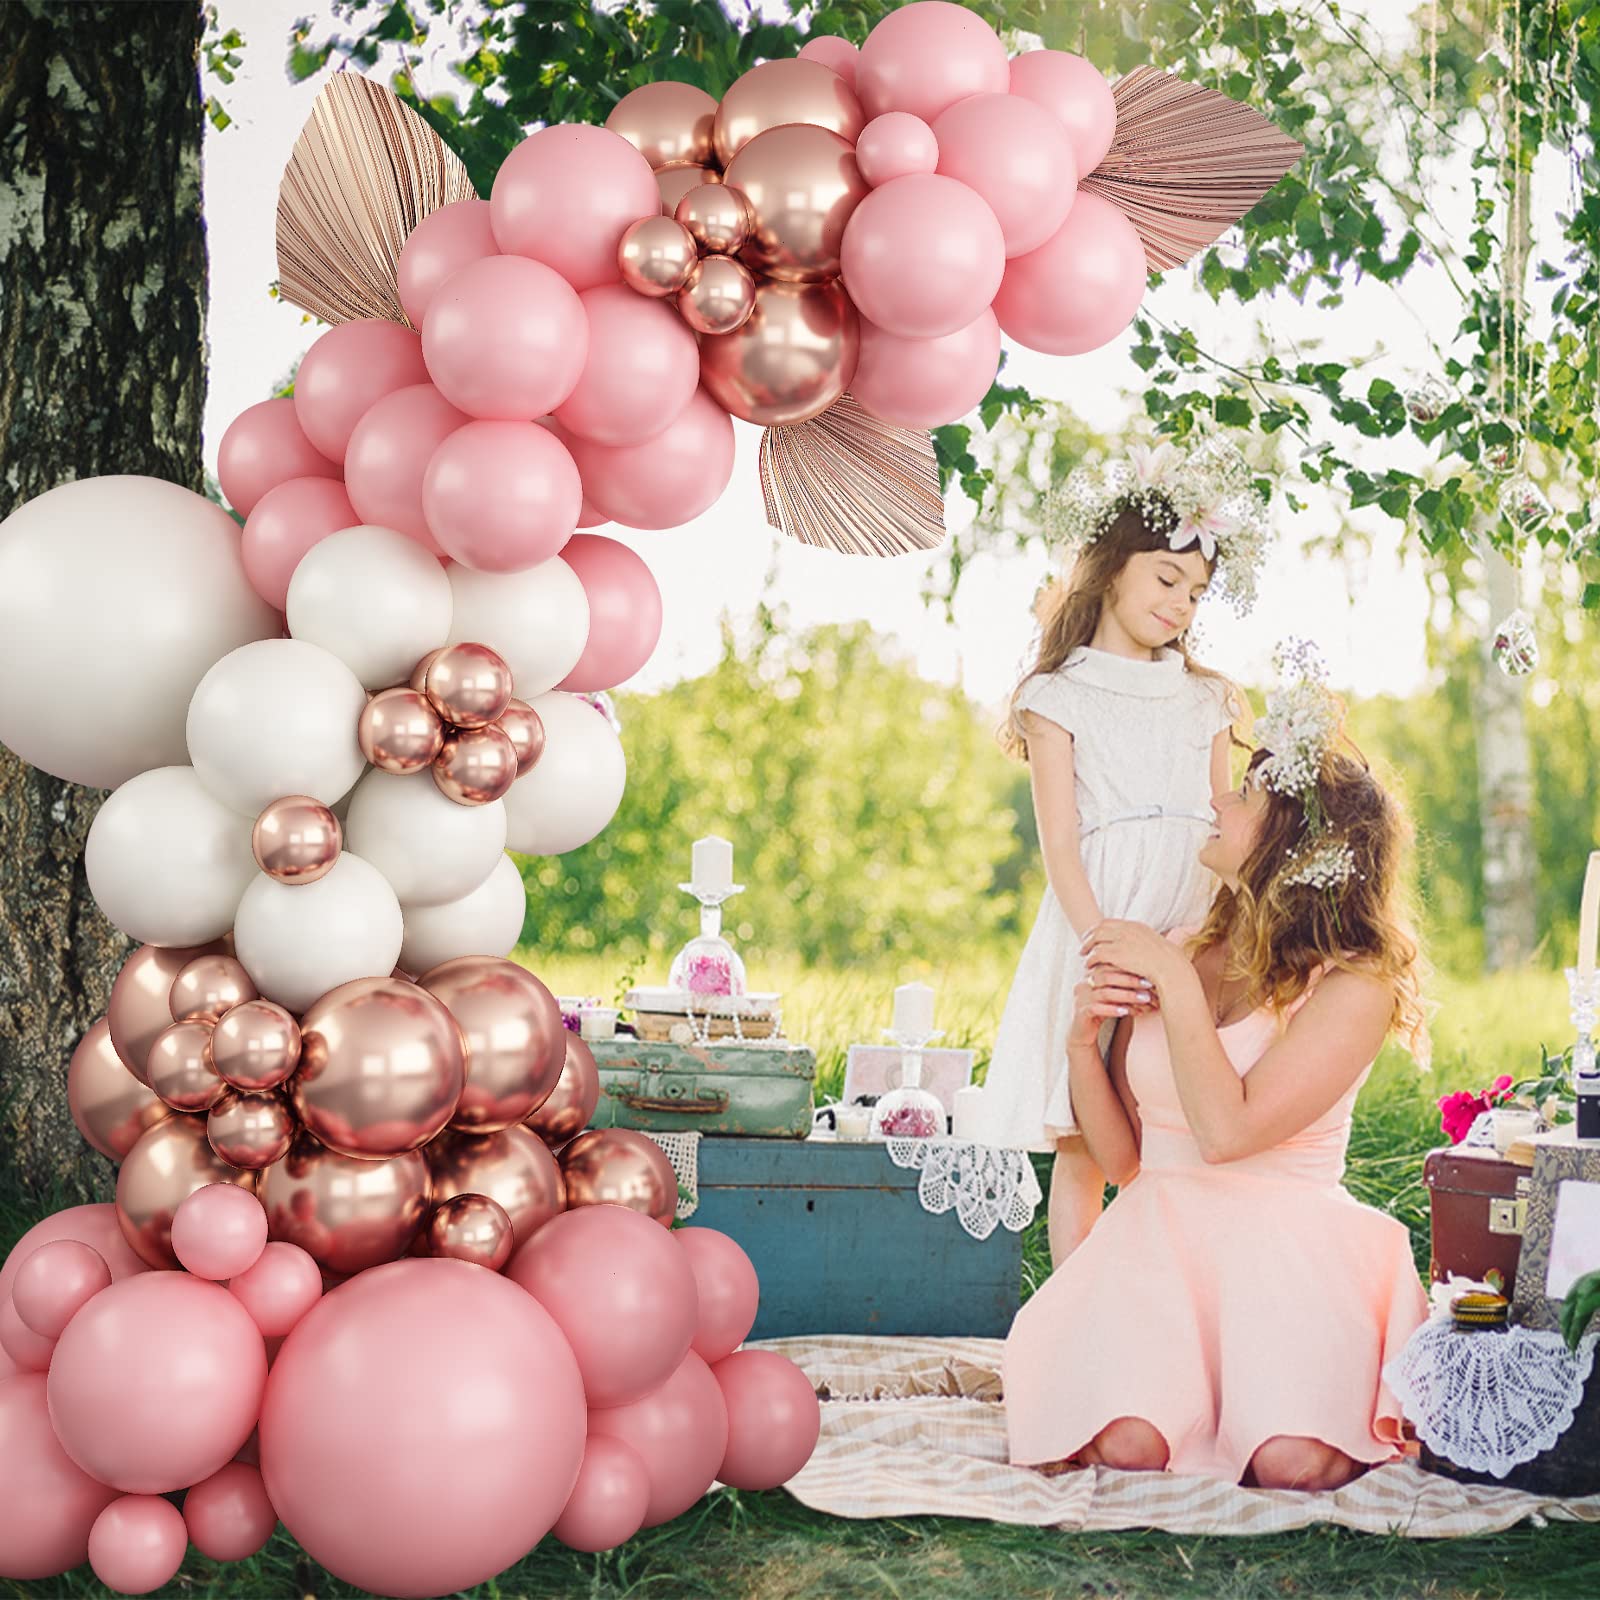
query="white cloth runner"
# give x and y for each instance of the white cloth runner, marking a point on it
(683, 1151)
(986, 1186)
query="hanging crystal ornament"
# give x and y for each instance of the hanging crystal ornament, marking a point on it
(1500, 444)
(1428, 399)
(1523, 504)
(1516, 650)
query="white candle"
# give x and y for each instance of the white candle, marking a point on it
(713, 865)
(913, 1010)
(1589, 917)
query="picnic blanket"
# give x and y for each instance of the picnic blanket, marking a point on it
(914, 1426)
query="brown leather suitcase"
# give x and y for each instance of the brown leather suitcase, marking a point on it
(1477, 1204)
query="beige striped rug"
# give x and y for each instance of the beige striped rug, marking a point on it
(915, 1427)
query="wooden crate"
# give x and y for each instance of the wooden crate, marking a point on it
(761, 1091)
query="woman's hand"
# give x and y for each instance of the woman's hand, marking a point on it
(1114, 995)
(1117, 952)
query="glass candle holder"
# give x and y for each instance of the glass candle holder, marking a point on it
(909, 1112)
(708, 966)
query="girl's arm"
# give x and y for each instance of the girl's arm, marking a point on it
(1055, 805)
(1222, 762)
(1108, 1129)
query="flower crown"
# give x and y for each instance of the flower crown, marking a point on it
(1204, 494)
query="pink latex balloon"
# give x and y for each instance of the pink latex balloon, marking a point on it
(896, 145)
(25, 1350)
(608, 1503)
(566, 195)
(1017, 158)
(922, 255)
(138, 1543)
(726, 1291)
(55, 1282)
(389, 453)
(836, 54)
(1080, 288)
(228, 1515)
(925, 57)
(157, 1382)
(279, 1289)
(219, 1231)
(501, 496)
(422, 1350)
(624, 611)
(620, 1290)
(347, 372)
(680, 1431)
(263, 447)
(443, 242)
(925, 383)
(589, 517)
(48, 1503)
(505, 338)
(773, 1419)
(285, 523)
(1073, 91)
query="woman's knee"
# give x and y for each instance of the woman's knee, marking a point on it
(1288, 1462)
(1130, 1444)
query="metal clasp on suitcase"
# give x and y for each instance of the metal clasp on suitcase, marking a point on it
(716, 1101)
(1510, 1216)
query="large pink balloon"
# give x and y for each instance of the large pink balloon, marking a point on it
(1073, 91)
(157, 1382)
(138, 1543)
(895, 145)
(501, 496)
(624, 611)
(263, 447)
(836, 54)
(279, 1289)
(922, 256)
(23, 1349)
(566, 195)
(505, 338)
(1080, 288)
(219, 1231)
(925, 383)
(228, 1515)
(347, 372)
(679, 1429)
(423, 1427)
(608, 1503)
(389, 454)
(925, 57)
(773, 1419)
(667, 480)
(285, 523)
(443, 242)
(726, 1291)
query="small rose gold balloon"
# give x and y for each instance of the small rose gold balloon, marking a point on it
(524, 727)
(469, 685)
(618, 1167)
(296, 840)
(207, 987)
(181, 1070)
(666, 122)
(565, 1114)
(656, 256)
(675, 182)
(512, 1167)
(250, 1130)
(719, 296)
(166, 1166)
(399, 732)
(471, 1227)
(419, 673)
(475, 765)
(255, 1047)
(718, 218)
(109, 1105)
(141, 999)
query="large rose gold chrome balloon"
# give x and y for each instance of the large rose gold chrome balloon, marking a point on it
(719, 296)
(718, 218)
(141, 999)
(471, 1227)
(347, 1214)
(566, 1113)
(675, 182)
(180, 1067)
(399, 732)
(160, 1172)
(256, 1046)
(656, 256)
(618, 1167)
(515, 1041)
(469, 685)
(296, 840)
(207, 987)
(512, 1167)
(250, 1130)
(666, 122)
(524, 727)
(802, 185)
(475, 765)
(109, 1105)
(778, 92)
(381, 1068)
(792, 359)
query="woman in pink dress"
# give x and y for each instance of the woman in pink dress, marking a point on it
(1231, 1313)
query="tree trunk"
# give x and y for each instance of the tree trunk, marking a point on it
(102, 370)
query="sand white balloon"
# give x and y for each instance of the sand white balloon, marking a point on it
(116, 595)
(373, 597)
(575, 789)
(166, 860)
(276, 718)
(487, 922)
(297, 941)
(429, 848)
(537, 619)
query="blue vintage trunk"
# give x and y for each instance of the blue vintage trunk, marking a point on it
(842, 1245)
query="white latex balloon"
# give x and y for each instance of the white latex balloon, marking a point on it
(487, 922)
(429, 848)
(116, 594)
(297, 941)
(167, 861)
(537, 619)
(373, 597)
(276, 718)
(576, 786)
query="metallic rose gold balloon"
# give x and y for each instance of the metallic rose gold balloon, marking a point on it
(296, 840)
(718, 218)
(566, 1113)
(382, 1064)
(792, 359)
(656, 256)
(675, 182)
(802, 185)
(475, 765)
(512, 1167)
(140, 1005)
(719, 296)
(161, 1171)
(777, 92)
(524, 727)
(515, 1041)
(469, 685)
(255, 1046)
(666, 122)
(471, 1227)
(207, 987)
(398, 731)
(419, 673)
(347, 1214)
(250, 1130)
(109, 1105)
(618, 1167)
(180, 1067)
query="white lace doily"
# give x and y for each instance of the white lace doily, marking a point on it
(1487, 1400)
(985, 1186)
(683, 1151)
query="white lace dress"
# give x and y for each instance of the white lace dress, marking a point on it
(1142, 733)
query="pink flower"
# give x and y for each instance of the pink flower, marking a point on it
(1457, 1113)
(1500, 1090)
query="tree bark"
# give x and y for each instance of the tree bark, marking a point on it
(102, 370)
